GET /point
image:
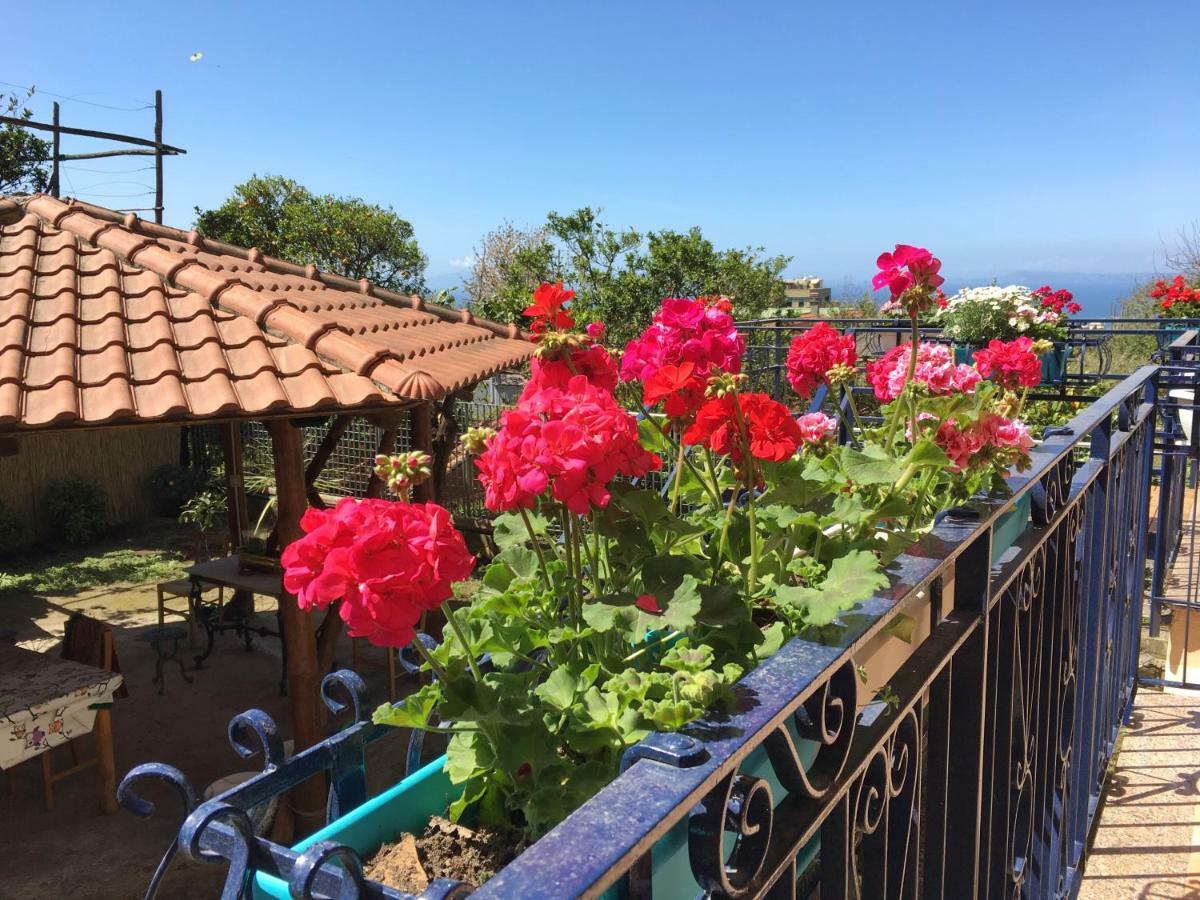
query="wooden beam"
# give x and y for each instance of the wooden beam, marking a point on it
(317, 465)
(235, 482)
(87, 132)
(387, 444)
(420, 423)
(304, 676)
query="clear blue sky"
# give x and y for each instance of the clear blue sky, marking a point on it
(1004, 136)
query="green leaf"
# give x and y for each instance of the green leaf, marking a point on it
(662, 575)
(902, 627)
(498, 576)
(651, 436)
(411, 712)
(602, 614)
(927, 453)
(721, 604)
(773, 637)
(683, 606)
(509, 530)
(521, 560)
(558, 689)
(645, 506)
(851, 579)
(871, 465)
(468, 755)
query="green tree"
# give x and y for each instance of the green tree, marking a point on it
(344, 235)
(621, 276)
(21, 152)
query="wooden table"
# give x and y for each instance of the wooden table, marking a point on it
(227, 572)
(46, 701)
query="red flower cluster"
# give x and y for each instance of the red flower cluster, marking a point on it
(547, 308)
(1011, 365)
(936, 371)
(1061, 301)
(1177, 297)
(813, 353)
(387, 561)
(906, 268)
(700, 332)
(591, 361)
(736, 423)
(681, 386)
(571, 440)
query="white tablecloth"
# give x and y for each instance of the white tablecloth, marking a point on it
(46, 701)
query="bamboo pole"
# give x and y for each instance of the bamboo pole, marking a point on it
(421, 430)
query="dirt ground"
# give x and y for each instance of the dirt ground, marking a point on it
(76, 850)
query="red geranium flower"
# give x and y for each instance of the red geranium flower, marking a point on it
(1011, 365)
(680, 386)
(813, 353)
(770, 431)
(547, 308)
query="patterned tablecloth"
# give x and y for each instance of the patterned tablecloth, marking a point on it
(45, 701)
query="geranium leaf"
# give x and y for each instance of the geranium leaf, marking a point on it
(601, 614)
(651, 436)
(927, 453)
(871, 465)
(851, 579)
(467, 755)
(558, 689)
(683, 606)
(721, 604)
(509, 531)
(411, 712)
(498, 576)
(902, 627)
(521, 560)
(663, 574)
(645, 506)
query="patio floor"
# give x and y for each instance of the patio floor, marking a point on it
(1147, 843)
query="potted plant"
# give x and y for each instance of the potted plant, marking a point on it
(974, 316)
(613, 608)
(205, 512)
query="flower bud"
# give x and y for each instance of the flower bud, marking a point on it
(401, 471)
(725, 383)
(474, 440)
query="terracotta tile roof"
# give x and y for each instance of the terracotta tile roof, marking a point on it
(106, 318)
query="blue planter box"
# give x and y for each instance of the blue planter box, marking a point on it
(1010, 525)
(1054, 363)
(409, 805)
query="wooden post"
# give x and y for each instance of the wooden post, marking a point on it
(158, 158)
(304, 676)
(387, 444)
(102, 731)
(420, 423)
(235, 482)
(54, 167)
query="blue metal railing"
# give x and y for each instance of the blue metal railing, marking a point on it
(981, 780)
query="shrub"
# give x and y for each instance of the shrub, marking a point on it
(173, 486)
(12, 530)
(78, 508)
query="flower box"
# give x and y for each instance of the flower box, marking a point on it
(410, 804)
(1010, 526)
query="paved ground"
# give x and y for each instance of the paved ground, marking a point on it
(78, 851)
(1148, 841)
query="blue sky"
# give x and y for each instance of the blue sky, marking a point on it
(1006, 137)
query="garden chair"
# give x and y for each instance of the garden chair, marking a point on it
(182, 587)
(90, 642)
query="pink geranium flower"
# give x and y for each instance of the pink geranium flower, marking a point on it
(936, 371)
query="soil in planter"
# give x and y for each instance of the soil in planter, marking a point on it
(444, 850)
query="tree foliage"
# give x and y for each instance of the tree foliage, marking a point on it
(620, 277)
(21, 151)
(344, 235)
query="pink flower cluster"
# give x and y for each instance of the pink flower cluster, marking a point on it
(591, 361)
(1011, 365)
(816, 427)
(699, 331)
(572, 440)
(936, 371)
(991, 438)
(813, 353)
(905, 268)
(387, 561)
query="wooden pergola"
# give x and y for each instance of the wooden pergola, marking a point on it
(107, 321)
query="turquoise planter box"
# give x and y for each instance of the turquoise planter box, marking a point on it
(409, 805)
(1010, 525)
(1053, 363)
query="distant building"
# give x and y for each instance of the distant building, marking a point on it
(805, 295)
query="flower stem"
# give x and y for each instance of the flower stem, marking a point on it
(537, 547)
(752, 580)
(424, 653)
(462, 639)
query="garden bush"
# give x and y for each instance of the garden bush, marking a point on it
(12, 530)
(173, 486)
(78, 508)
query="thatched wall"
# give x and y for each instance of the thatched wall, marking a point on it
(119, 460)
